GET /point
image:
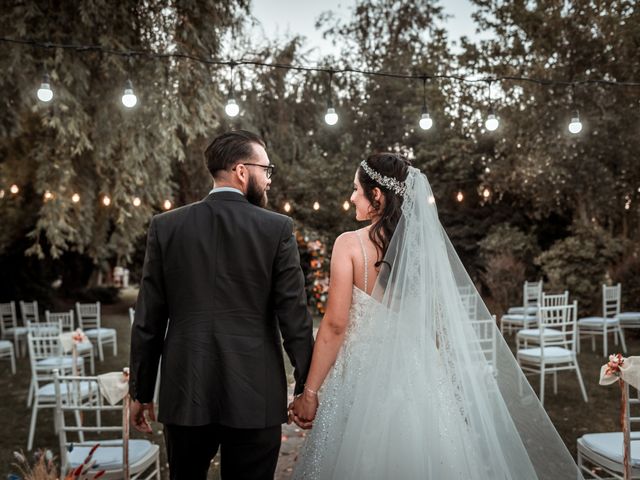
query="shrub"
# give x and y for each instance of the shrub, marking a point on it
(504, 277)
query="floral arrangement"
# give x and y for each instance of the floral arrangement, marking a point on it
(315, 265)
(45, 468)
(78, 336)
(613, 366)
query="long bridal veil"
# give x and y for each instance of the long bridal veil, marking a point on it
(442, 395)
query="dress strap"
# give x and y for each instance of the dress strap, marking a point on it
(366, 263)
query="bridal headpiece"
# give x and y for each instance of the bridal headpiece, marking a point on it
(398, 187)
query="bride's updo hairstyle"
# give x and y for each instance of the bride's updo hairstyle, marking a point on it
(392, 166)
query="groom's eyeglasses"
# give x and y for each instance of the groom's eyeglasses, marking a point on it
(269, 170)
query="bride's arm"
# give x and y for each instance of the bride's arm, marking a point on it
(333, 326)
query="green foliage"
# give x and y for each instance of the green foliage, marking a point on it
(504, 276)
(507, 239)
(580, 263)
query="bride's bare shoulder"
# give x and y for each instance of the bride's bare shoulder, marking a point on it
(347, 243)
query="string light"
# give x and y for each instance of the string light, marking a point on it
(460, 197)
(106, 201)
(45, 94)
(48, 196)
(287, 207)
(14, 189)
(575, 125)
(425, 119)
(167, 205)
(231, 109)
(486, 193)
(75, 198)
(129, 98)
(136, 201)
(316, 206)
(492, 123)
(2, 193)
(331, 117)
(346, 206)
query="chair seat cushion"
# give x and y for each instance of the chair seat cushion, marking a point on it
(530, 310)
(596, 321)
(58, 362)
(109, 454)
(49, 389)
(610, 445)
(103, 332)
(534, 333)
(628, 317)
(6, 345)
(551, 354)
(84, 347)
(19, 331)
(520, 319)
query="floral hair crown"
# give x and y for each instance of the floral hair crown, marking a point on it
(398, 187)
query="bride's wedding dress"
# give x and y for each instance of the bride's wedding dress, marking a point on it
(424, 387)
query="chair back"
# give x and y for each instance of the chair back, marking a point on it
(45, 329)
(563, 320)
(611, 300)
(469, 301)
(554, 300)
(88, 315)
(98, 419)
(8, 318)
(65, 319)
(29, 312)
(532, 293)
(43, 343)
(486, 332)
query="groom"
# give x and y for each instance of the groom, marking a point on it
(224, 275)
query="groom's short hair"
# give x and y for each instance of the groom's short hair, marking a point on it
(230, 148)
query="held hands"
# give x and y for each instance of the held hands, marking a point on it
(303, 409)
(139, 419)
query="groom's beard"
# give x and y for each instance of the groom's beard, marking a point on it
(255, 194)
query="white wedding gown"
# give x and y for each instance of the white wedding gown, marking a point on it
(324, 444)
(424, 386)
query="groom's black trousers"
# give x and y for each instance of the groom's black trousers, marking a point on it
(245, 454)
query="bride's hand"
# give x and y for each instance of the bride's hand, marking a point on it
(304, 409)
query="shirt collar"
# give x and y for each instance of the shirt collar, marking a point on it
(225, 189)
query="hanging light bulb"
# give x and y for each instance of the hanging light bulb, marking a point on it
(2, 193)
(492, 123)
(486, 193)
(316, 206)
(425, 119)
(45, 94)
(331, 117)
(575, 126)
(459, 197)
(106, 201)
(47, 196)
(129, 98)
(75, 198)
(346, 206)
(287, 207)
(231, 108)
(167, 205)
(136, 201)
(14, 189)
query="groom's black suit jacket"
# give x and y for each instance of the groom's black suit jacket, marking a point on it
(226, 276)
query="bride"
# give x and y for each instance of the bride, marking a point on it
(410, 378)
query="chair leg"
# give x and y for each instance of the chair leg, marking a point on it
(31, 392)
(593, 343)
(555, 383)
(584, 391)
(622, 339)
(605, 336)
(578, 337)
(100, 352)
(13, 362)
(542, 386)
(32, 425)
(115, 346)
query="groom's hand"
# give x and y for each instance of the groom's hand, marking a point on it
(138, 417)
(304, 409)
